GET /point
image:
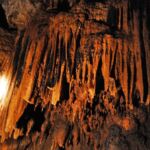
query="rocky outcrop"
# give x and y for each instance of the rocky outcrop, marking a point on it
(80, 79)
(19, 13)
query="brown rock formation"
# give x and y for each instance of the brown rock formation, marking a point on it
(78, 77)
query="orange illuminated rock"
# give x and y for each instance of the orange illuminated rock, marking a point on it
(74, 73)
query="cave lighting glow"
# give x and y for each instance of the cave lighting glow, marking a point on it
(3, 88)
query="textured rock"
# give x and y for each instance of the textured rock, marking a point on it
(20, 12)
(80, 75)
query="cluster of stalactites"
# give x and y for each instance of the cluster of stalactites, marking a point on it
(83, 53)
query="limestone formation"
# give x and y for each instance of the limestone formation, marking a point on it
(79, 74)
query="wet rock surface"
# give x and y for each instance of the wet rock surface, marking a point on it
(79, 75)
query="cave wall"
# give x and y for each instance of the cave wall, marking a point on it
(72, 56)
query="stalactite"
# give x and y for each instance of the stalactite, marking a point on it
(90, 64)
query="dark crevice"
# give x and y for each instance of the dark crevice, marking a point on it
(3, 20)
(120, 99)
(62, 51)
(56, 47)
(17, 53)
(112, 71)
(135, 93)
(130, 15)
(69, 60)
(110, 63)
(44, 49)
(34, 93)
(65, 88)
(94, 1)
(136, 98)
(30, 113)
(22, 59)
(77, 55)
(129, 72)
(121, 21)
(86, 73)
(63, 5)
(99, 78)
(30, 67)
(143, 54)
(55, 50)
(148, 16)
(49, 66)
(112, 18)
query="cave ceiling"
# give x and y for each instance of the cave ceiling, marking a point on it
(74, 74)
